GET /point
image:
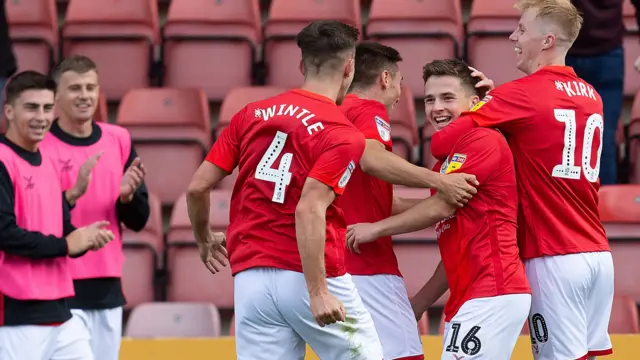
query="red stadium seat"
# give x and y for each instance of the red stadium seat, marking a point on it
(627, 268)
(631, 49)
(488, 46)
(173, 320)
(120, 36)
(172, 133)
(197, 32)
(189, 280)
(143, 256)
(286, 19)
(421, 31)
(428, 160)
(620, 211)
(33, 27)
(404, 129)
(624, 316)
(238, 98)
(417, 263)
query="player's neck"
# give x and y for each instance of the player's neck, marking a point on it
(15, 138)
(549, 60)
(369, 94)
(322, 87)
(77, 128)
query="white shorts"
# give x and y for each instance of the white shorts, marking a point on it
(69, 341)
(571, 305)
(486, 328)
(385, 296)
(105, 329)
(273, 319)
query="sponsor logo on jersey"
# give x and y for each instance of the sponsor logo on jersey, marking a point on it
(347, 175)
(384, 129)
(481, 103)
(456, 162)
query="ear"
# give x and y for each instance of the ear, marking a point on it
(474, 100)
(8, 112)
(349, 68)
(549, 41)
(386, 79)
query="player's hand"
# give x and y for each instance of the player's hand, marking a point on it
(326, 309)
(132, 180)
(213, 252)
(90, 237)
(485, 82)
(359, 234)
(84, 177)
(458, 189)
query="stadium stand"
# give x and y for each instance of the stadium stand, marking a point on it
(174, 320)
(631, 49)
(404, 129)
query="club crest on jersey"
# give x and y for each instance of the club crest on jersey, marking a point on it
(456, 162)
(347, 175)
(384, 129)
(481, 103)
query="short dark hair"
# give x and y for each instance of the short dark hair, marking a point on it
(323, 44)
(452, 67)
(76, 63)
(27, 80)
(372, 58)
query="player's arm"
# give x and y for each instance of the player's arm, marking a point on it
(509, 109)
(220, 162)
(134, 214)
(403, 204)
(328, 178)
(430, 292)
(18, 241)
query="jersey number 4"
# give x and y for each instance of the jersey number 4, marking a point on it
(568, 169)
(281, 176)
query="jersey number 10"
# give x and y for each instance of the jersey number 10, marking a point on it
(568, 169)
(281, 176)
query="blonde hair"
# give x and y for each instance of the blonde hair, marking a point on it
(560, 13)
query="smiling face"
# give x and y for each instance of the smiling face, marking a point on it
(529, 41)
(445, 99)
(78, 93)
(30, 116)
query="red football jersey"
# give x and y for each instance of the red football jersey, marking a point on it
(278, 143)
(553, 123)
(369, 199)
(478, 244)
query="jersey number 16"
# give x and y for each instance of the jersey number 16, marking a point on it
(568, 169)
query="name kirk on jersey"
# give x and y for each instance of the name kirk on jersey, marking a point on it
(575, 88)
(304, 115)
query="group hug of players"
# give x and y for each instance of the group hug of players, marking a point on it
(514, 202)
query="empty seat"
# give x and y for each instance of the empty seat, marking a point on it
(173, 320)
(404, 129)
(172, 134)
(427, 159)
(120, 36)
(624, 316)
(631, 49)
(417, 263)
(421, 31)
(189, 280)
(197, 32)
(143, 252)
(33, 27)
(238, 98)
(627, 268)
(286, 19)
(488, 46)
(620, 211)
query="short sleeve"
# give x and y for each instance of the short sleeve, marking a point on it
(373, 122)
(225, 152)
(339, 153)
(507, 108)
(476, 153)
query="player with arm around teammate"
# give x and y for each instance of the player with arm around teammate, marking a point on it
(553, 122)
(374, 91)
(286, 238)
(36, 234)
(490, 296)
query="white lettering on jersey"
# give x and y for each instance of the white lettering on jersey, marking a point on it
(576, 88)
(303, 115)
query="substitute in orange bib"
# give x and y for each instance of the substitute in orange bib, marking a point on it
(553, 122)
(116, 191)
(490, 296)
(36, 234)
